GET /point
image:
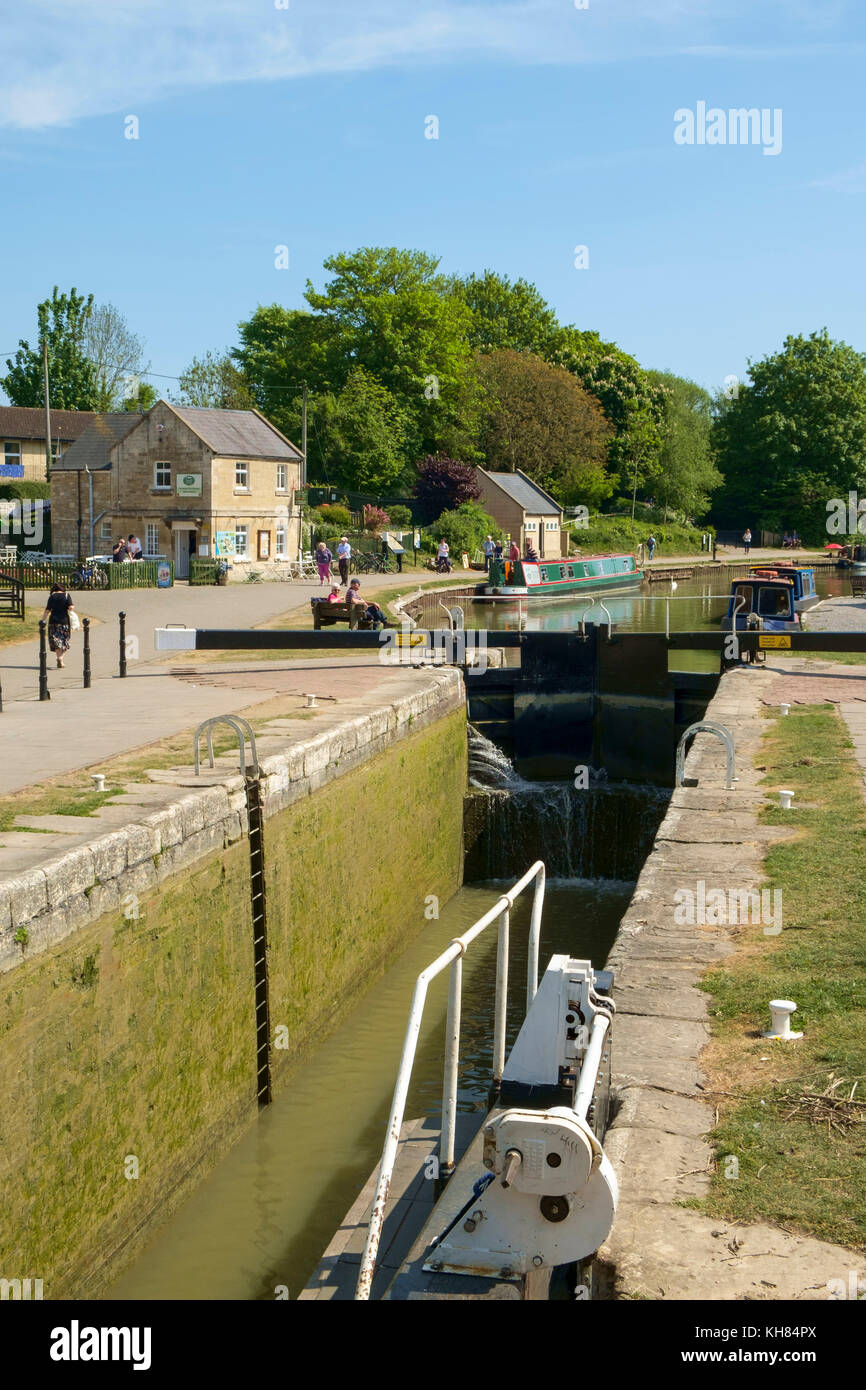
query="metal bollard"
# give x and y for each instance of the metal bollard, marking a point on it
(122, 617)
(44, 692)
(85, 623)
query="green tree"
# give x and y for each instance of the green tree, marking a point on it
(632, 403)
(359, 435)
(507, 314)
(117, 355)
(141, 399)
(688, 474)
(794, 437)
(279, 350)
(62, 323)
(215, 381)
(539, 418)
(389, 312)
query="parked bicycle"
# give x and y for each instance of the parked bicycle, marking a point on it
(89, 575)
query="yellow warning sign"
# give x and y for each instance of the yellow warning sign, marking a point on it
(775, 639)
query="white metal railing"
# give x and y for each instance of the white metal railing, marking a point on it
(500, 912)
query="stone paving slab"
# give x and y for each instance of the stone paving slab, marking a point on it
(656, 1140)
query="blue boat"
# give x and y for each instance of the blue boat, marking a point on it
(764, 604)
(805, 590)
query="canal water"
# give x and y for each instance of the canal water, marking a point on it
(267, 1213)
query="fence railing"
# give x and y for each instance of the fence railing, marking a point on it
(41, 574)
(453, 957)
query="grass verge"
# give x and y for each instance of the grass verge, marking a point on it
(793, 1115)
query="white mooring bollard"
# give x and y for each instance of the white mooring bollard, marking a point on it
(98, 780)
(312, 702)
(785, 798)
(784, 708)
(780, 1018)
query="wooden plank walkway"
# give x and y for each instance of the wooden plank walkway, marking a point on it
(410, 1205)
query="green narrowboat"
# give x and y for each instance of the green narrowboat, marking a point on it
(518, 579)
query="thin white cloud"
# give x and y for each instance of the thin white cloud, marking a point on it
(845, 181)
(69, 59)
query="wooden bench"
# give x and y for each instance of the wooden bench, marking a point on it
(11, 596)
(327, 614)
(858, 585)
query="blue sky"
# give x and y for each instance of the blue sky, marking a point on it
(305, 126)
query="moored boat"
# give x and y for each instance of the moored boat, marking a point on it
(516, 579)
(762, 603)
(802, 577)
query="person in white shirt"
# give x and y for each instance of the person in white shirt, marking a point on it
(133, 545)
(489, 549)
(344, 555)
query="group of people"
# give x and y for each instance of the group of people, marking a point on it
(791, 541)
(324, 559)
(129, 549)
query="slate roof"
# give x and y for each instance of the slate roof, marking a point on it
(237, 433)
(26, 422)
(92, 449)
(526, 493)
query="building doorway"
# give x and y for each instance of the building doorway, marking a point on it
(184, 543)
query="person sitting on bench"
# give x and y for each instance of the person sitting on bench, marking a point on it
(334, 595)
(372, 610)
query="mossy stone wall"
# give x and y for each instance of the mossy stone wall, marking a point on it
(127, 1064)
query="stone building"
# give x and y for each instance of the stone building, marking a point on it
(524, 511)
(186, 480)
(22, 439)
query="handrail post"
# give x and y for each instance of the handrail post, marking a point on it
(535, 936)
(501, 998)
(85, 623)
(452, 1061)
(122, 617)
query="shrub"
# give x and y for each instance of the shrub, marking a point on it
(465, 528)
(10, 491)
(400, 516)
(333, 514)
(375, 519)
(445, 482)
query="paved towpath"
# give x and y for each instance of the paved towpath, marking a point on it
(78, 728)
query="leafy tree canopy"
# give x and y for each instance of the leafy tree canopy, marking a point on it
(688, 474)
(359, 435)
(62, 323)
(794, 437)
(632, 403)
(215, 381)
(539, 418)
(445, 483)
(507, 314)
(117, 355)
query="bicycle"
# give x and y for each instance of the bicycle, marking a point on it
(88, 576)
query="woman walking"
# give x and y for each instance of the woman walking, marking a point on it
(58, 615)
(323, 563)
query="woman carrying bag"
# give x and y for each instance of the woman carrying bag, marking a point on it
(62, 621)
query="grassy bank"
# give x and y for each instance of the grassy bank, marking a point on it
(621, 533)
(792, 1114)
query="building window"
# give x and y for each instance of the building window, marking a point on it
(280, 545)
(105, 530)
(529, 526)
(151, 538)
(12, 452)
(242, 536)
(162, 477)
(242, 478)
(56, 453)
(551, 525)
(282, 477)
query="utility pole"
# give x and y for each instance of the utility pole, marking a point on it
(304, 438)
(47, 411)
